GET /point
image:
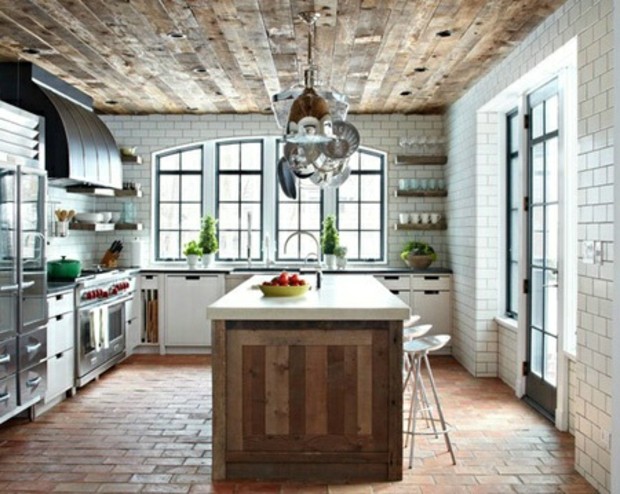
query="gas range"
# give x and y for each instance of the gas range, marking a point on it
(104, 286)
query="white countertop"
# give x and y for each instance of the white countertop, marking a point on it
(341, 297)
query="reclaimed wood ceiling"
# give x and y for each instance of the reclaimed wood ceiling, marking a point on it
(230, 56)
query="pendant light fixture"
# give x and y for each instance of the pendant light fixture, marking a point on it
(319, 141)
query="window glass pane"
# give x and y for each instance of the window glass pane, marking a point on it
(289, 217)
(190, 217)
(538, 171)
(191, 188)
(169, 216)
(229, 188)
(551, 167)
(371, 188)
(515, 183)
(228, 216)
(169, 188)
(292, 247)
(538, 279)
(514, 287)
(192, 160)
(350, 240)
(169, 245)
(551, 114)
(250, 188)
(513, 139)
(354, 161)
(310, 216)
(551, 301)
(370, 245)
(349, 190)
(348, 216)
(229, 245)
(551, 360)
(310, 194)
(370, 162)
(228, 158)
(371, 216)
(538, 235)
(514, 236)
(537, 121)
(251, 157)
(552, 236)
(187, 236)
(536, 352)
(169, 163)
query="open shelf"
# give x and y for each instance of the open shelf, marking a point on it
(102, 191)
(128, 226)
(131, 160)
(440, 225)
(420, 159)
(92, 227)
(420, 193)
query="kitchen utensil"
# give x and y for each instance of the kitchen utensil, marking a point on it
(301, 158)
(106, 216)
(116, 217)
(64, 268)
(346, 142)
(286, 179)
(89, 218)
(70, 214)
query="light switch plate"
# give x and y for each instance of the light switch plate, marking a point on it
(598, 252)
(587, 255)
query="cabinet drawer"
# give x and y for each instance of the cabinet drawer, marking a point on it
(149, 282)
(60, 303)
(60, 374)
(60, 334)
(395, 282)
(8, 358)
(8, 395)
(32, 383)
(32, 347)
(430, 282)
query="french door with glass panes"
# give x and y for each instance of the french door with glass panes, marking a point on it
(543, 241)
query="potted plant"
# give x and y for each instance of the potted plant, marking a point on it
(418, 254)
(192, 251)
(208, 240)
(329, 240)
(341, 256)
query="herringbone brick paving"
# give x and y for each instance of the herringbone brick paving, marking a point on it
(144, 427)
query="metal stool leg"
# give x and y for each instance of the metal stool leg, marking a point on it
(439, 411)
(417, 361)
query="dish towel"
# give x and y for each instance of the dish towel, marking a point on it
(95, 329)
(105, 328)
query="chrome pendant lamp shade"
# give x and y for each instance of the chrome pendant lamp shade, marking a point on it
(313, 119)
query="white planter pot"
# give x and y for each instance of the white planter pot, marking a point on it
(208, 259)
(192, 260)
(330, 261)
(341, 262)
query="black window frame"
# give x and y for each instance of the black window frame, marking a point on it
(512, 119)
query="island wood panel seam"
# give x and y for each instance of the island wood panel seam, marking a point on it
(220, 404)
(395, 407)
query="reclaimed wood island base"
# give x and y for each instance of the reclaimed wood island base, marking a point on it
(308, 388)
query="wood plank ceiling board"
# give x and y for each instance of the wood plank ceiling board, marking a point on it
(233, 55)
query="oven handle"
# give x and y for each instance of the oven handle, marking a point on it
(110, 303)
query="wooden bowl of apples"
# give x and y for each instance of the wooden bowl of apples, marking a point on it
(285, 285)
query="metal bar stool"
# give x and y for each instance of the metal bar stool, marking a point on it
(417, 351)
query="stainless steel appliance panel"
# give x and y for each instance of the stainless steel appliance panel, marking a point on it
(32, 348)
(8, 357)
(9, 228)
(32, 383)
(8, 395)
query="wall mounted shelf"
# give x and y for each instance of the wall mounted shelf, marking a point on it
(420, 193)
(408, 159)
(131, 160)
(440, 225)
(101, 191)
(92, 227)
(128, 226)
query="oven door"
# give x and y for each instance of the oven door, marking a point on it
(101, 334)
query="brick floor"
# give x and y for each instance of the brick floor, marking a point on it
(144, 427)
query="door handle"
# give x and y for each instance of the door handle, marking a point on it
(9, 288)
(33, 382)
(5, 397)
(33, 348)
(551, 285)
(27, 284)
(5, 359)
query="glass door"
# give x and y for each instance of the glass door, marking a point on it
(8, 251)
(33, 184)
(543, 238)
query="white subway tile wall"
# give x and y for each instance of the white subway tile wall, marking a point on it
(472, 206)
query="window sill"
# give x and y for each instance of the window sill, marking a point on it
(507, 323)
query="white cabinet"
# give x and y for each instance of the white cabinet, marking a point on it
(186, 300)
(60, 345)
(432, 300)
(398, 284)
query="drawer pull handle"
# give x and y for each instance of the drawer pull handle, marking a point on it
(149, 276)
(9, 288)
(431, 292)
(5, 397)
(59, 318)
(391, 277)
(33, 348)
(431, 277)
(59, 297)
(93, 360)
(192, 277)
(33, 382)
(5, 359)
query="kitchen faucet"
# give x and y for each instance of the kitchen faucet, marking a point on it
(308, 234)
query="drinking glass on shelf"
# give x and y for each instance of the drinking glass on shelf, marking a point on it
(403, 218)
(403, 184)
(441, 184)
(413, 184)
(432, 184)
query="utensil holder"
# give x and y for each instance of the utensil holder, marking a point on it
(61, 228)
(110, 259)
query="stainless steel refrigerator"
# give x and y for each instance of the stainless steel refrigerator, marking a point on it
(23, 276)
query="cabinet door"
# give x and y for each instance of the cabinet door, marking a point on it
(186, 300)
(434, 307)
(60, 374)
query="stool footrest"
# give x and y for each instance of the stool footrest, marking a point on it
(431, 432)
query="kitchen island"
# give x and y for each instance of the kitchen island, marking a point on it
(308, 388)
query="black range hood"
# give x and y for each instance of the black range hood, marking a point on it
(79, 147)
